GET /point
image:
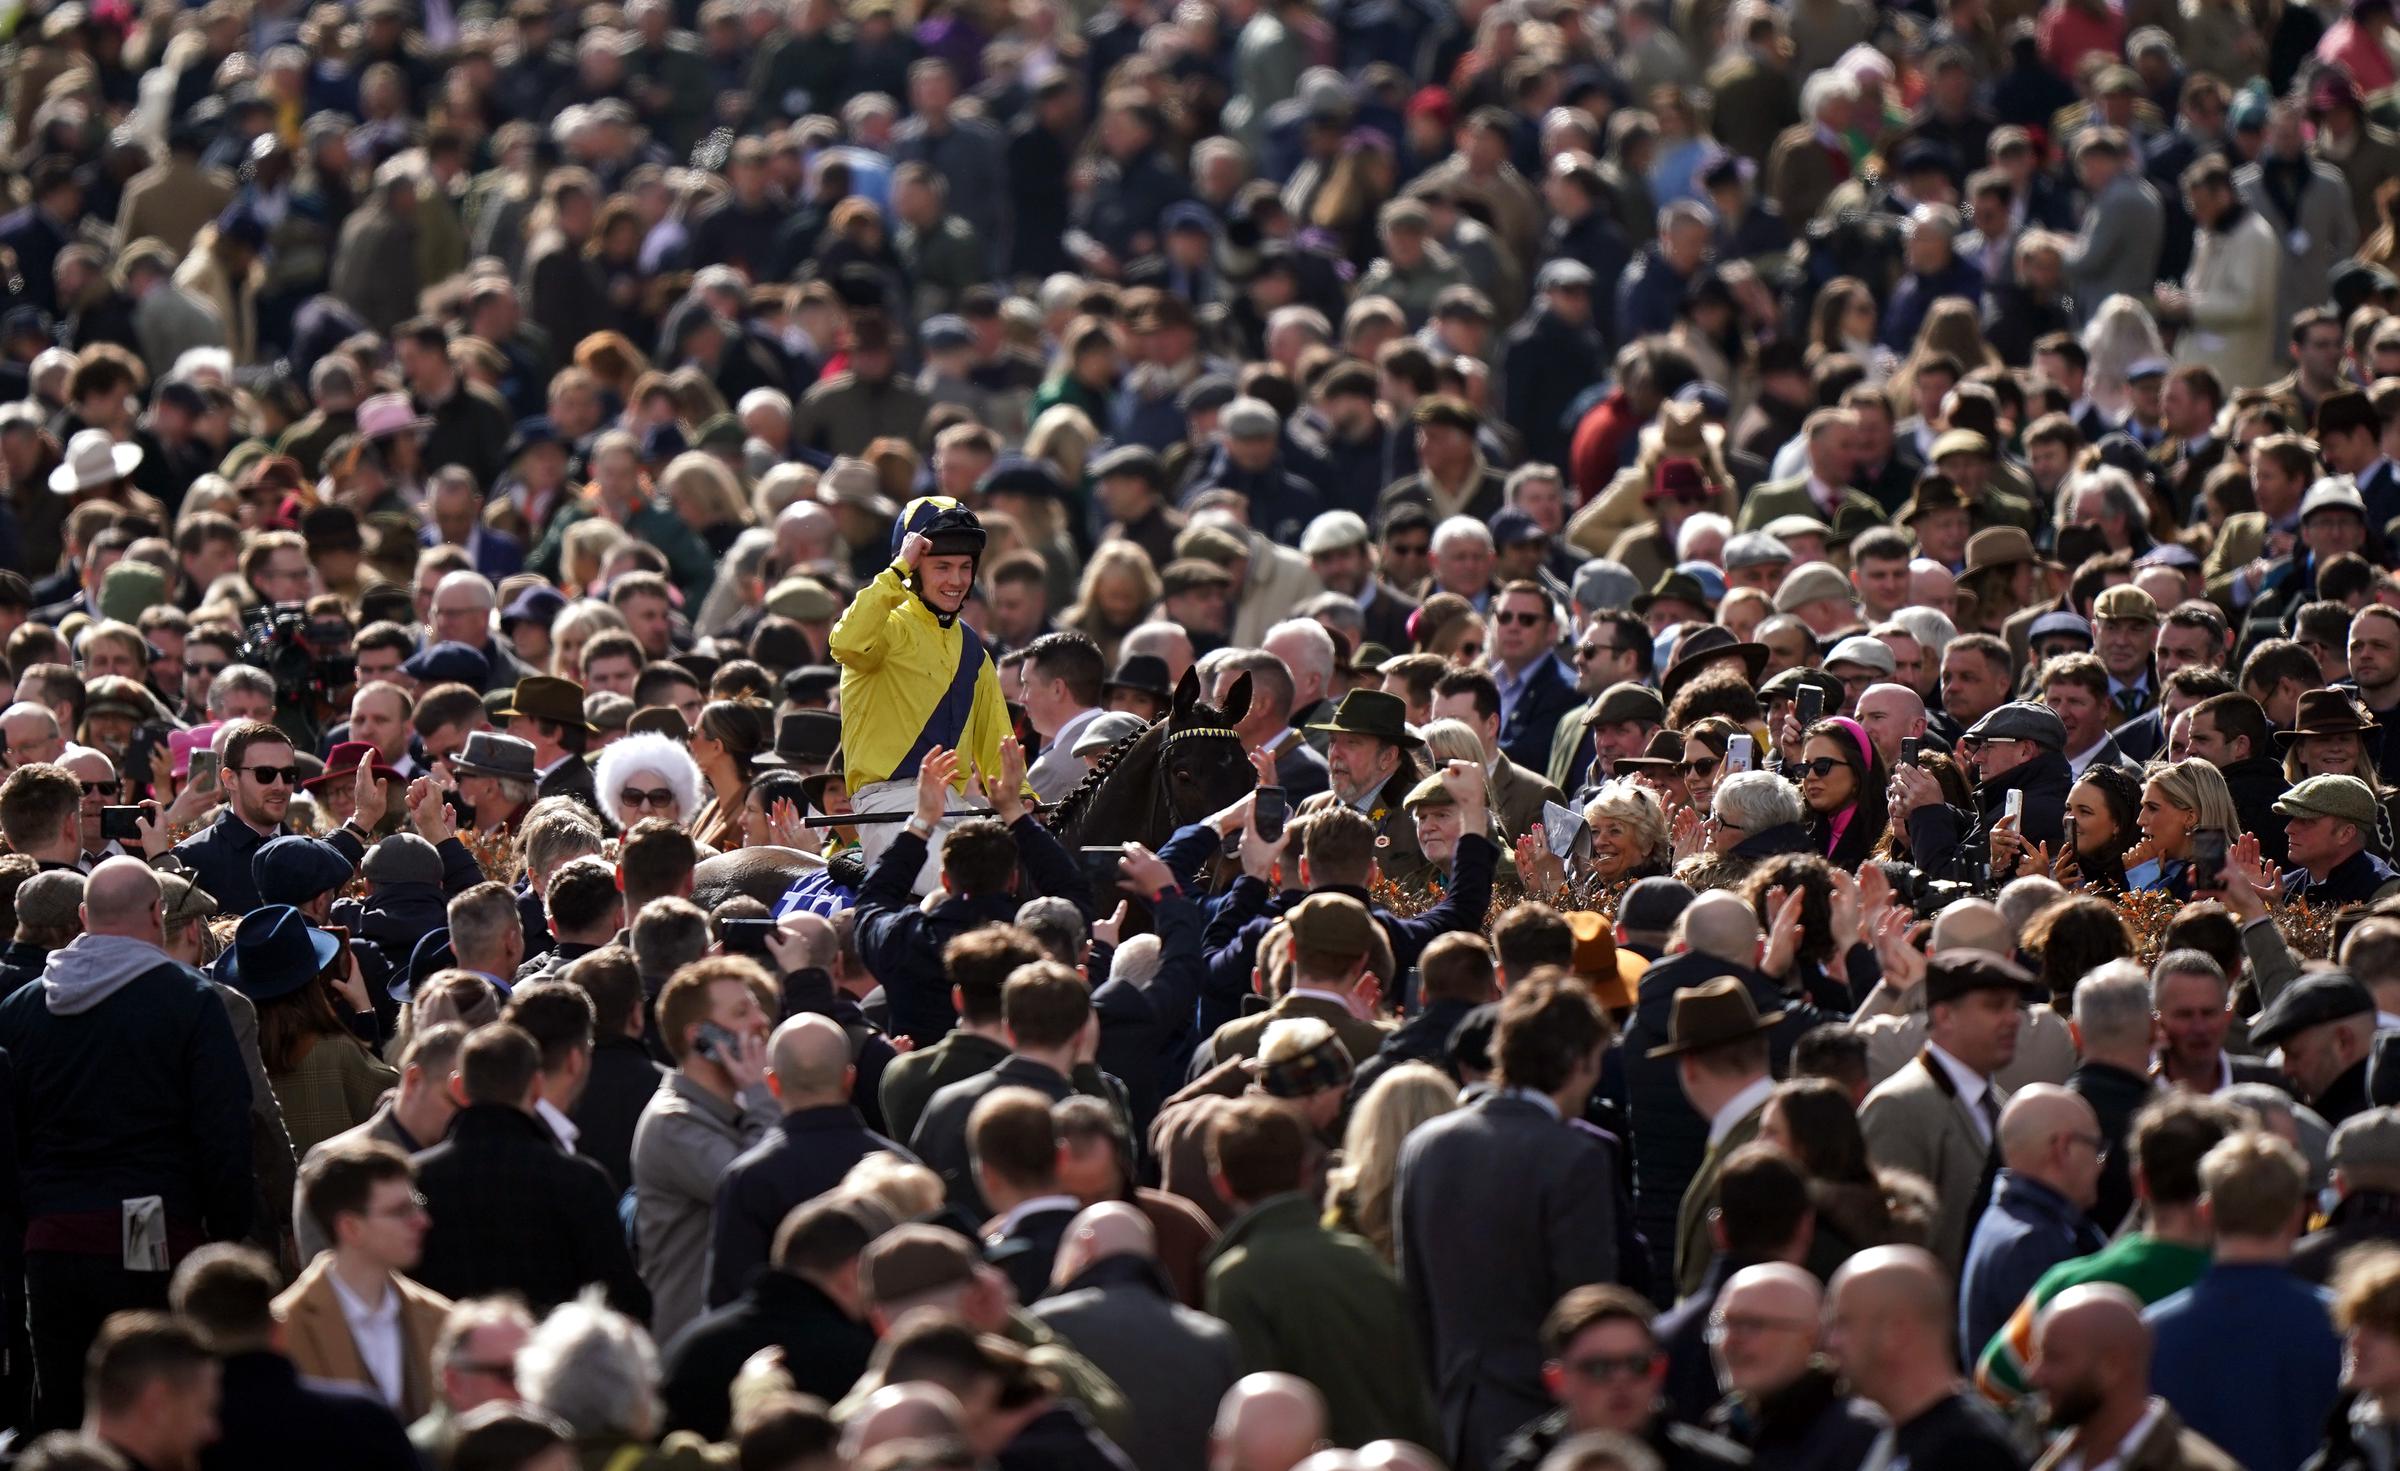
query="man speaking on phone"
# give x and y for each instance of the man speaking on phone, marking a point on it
(2017, 748)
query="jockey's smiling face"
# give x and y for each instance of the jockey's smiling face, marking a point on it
(947, 580)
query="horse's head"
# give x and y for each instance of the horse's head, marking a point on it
(1206, 769)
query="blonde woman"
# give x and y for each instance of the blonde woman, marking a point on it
(577, 624)
(585, 548)
(706, 497)
(1358, 1193)
(1118, 590)
(2120, 334)
(1629, 833)
(2178, 800)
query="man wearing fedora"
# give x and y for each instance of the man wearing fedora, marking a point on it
(547, 713)
(807, 742)
(496, 779)
(1370, 757)
(1939, 1116)
(1718, 1039)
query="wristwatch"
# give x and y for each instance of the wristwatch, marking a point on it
(920, 827)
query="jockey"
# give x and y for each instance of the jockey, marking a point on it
(915, 677)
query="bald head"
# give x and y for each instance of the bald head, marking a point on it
(1267, 1422)
(2101, 1315)
(1720, 925)
(1889, 1325)
(1973, 924)
(2037, 1114)
(122, 898)
(808, 1060)
(1397, 1455)
(819, 946)
(1770, 1315)
(1111, 1228)
(918, 1410)
(1776, 1288)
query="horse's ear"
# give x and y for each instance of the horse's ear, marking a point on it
(1187, 693)
(1237, 700)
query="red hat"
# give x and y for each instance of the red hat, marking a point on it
(342, 763)
(1433, 102)
(1677, 479)
(2333, 88)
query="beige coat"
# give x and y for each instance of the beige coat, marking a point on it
(203, 275)
(1915, 1121)
(317, 1336)
(2233, 324)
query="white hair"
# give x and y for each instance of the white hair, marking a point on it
(465, 577)
(1930, 627)
(1753, 801)
(764, 398)
(1825, 86)
(1316, 645)
(1701, 523)
(2112, 1004)
(198, 363)
(2120, 334)
(593, 1368)
(649, 751)
(1137, 960)
(1460, 528)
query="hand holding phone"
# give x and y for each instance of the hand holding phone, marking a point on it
(1101, 871)
(1740, 753)
(123, 824)
(1809, 705)
(1270, 809)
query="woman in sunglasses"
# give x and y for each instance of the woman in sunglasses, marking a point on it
(1842, 785)
(648, 776)
(1703, 765)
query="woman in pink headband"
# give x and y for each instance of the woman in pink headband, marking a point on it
(1842, 786)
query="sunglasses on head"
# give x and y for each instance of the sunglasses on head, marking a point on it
(1823, 766)
(267, 776)
(656, 797)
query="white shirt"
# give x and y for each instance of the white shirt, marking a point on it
(1973, 1087)
(1739, 1107)
(2078, 764)
(376, 1332)
(559, 1123)
(1007, 1224)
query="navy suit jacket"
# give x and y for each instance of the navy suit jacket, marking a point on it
(1547, 698)
(497, 554)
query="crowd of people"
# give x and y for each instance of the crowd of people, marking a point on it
(1286, 735)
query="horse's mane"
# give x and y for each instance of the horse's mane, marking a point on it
(1077, 804)
(1149, 742)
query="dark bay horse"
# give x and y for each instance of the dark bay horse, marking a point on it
(1184, 766)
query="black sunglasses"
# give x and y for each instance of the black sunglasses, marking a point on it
(1700, 766)
(100, 788)
(267, 776)
(1823, 766)
(1521, 620)
(657, 797)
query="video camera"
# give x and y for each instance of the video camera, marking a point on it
(305, 658)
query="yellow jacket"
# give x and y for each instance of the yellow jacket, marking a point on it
(897, 665)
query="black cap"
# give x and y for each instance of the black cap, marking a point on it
(2313, 1000)
(1951, 974)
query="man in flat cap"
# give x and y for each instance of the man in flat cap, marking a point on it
(2329, 823)
(1452, 478)
(2324, 1024)
(1590, 740)
(2017, 747)
(1939, 1116)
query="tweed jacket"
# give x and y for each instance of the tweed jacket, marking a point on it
(1916, 1121)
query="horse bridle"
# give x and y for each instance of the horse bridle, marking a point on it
(1161, 803)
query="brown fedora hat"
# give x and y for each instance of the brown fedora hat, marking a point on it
(1712, 1015)
(1708, 645)
(547, 697)
(1998, 546)
(2326, 712)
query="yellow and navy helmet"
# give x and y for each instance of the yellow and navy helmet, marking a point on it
(949, 528)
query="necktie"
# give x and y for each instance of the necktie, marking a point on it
(1990, 1104)
(2131, 701)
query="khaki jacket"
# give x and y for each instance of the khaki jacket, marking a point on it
(1916, 1121)
(317, 1336)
